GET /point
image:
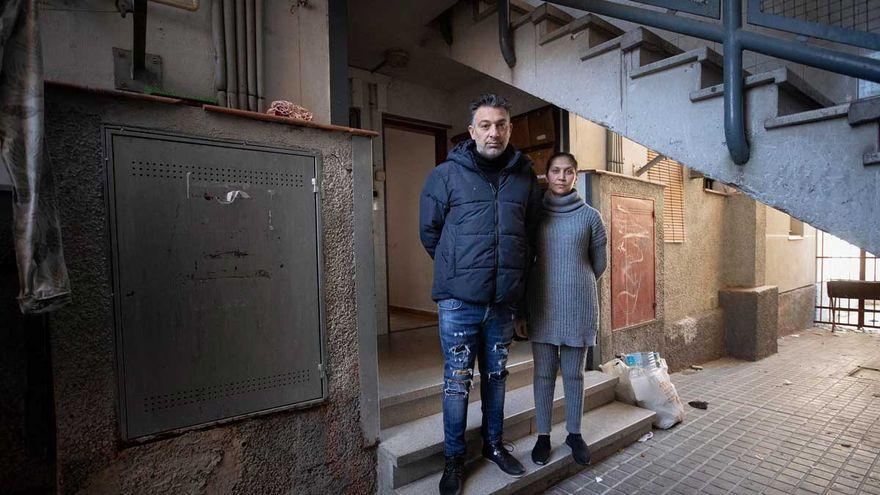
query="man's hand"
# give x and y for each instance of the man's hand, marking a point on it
(521, 328)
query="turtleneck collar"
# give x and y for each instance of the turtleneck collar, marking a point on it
(564, 204)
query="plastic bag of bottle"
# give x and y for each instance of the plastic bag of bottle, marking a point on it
(624, 390)
(655, 391)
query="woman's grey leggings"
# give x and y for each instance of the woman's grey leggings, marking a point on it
(547, 358)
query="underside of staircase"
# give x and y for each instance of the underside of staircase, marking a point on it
(411, 442)
(811, 158)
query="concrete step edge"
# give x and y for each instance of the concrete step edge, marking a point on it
(397, 442)
(624, 423)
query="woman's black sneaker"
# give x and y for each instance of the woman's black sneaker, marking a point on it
(541, 451)
(502, 458)
(579, 450)
(453, 477)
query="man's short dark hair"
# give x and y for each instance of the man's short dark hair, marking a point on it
(489, 100)
(558, 155)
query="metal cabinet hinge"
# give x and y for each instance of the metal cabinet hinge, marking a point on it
(314, 184)
(322, 371)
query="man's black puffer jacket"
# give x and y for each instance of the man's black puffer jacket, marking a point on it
(479, 236)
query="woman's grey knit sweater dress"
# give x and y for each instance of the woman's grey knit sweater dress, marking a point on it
(563, 302)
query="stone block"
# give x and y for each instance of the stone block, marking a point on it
(751, 321)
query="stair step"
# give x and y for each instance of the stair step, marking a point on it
(864, 110)
(412, 450)
(549, 18)
(808, 117)
(425, 401)
(606, 430)
(519, 10)
(703, 55)
(649, 47)
(599, 30)
(871, 158)
(795, 95)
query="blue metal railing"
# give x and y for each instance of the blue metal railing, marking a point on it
(735, 39)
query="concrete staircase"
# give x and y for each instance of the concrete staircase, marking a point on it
(810, 157)
(411, 442)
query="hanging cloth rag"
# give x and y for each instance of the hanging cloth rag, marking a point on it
(42, 273)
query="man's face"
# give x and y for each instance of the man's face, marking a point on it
(491, 131)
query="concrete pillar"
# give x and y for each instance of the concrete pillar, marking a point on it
(751, 309)
(745, 223)
(751, 317)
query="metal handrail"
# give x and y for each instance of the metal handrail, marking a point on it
(735, 40)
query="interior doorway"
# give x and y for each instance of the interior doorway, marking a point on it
(412, 149)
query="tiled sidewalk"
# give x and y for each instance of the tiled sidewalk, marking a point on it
(795, 422)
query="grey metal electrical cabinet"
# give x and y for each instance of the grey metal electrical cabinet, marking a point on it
(217, 273)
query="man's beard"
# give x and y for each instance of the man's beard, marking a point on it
(490, 153)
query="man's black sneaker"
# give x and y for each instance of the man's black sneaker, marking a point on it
(453, 477)
(502, 458)
(579, 450)
(541, 451)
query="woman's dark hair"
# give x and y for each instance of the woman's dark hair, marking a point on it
(557, 155)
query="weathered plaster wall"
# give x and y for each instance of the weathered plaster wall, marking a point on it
(316, 450)
(797, 310)
(791, 261)
(83, 33)
(646, 336)
(694, 275)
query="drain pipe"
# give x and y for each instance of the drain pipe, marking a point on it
(505, 36)
(734, 121)
(219, 40)
(229, 32)
(260, 61)
(251, 57)
(241, 54)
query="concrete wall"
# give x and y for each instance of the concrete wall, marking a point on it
(791, 266)
(649, 335)
(315, 450)
(791, 261)
(80, 35)
(409, 158)
(694, 275)
(587, 143)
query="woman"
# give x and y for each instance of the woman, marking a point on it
(563, 303)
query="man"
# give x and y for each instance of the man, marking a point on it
(477, 218)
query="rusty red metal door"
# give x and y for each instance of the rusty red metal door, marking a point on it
(632, 261)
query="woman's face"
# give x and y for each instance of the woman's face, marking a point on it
(561, 176)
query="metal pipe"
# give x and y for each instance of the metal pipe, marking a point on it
(812, 55)
(139, 41)
(229, 34)
(219, 41)
(734, 90)
(241, 54)
(261, 76)
(251, 57)
(505, 36)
